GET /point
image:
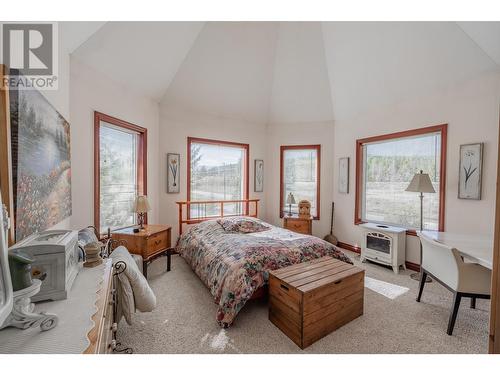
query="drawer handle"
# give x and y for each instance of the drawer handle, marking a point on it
(284, 287)
(157, 242)
(338, 282)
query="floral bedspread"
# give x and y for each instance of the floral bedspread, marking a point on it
(234, 265)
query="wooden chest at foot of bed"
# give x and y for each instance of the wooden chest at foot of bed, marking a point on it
(308, 301)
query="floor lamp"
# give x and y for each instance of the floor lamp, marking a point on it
(421, 183)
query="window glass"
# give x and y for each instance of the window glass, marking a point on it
(118, 176)
(388, 168)
(300, 177)
(217, 172)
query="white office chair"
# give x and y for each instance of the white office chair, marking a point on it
(445, 265)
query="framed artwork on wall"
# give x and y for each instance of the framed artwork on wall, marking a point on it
(173, 173)
(470, 171)
(259, 176)
(344, 175)
(41, 163)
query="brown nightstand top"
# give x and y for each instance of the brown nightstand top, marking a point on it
(295, 217)
(149, 229)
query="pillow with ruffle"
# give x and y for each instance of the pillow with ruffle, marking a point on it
(242, 224)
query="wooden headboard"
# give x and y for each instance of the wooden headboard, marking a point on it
(242, 207)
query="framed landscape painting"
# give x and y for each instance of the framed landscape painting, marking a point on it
(259, 176)
(173, 168)
(41, 163)
(471, 161)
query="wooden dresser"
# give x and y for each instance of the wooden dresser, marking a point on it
(298, 224)
(152, 242)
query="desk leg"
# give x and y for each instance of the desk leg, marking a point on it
(169, 259)
(145, 268)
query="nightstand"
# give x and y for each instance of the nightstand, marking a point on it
(151, 243)
(298, 224)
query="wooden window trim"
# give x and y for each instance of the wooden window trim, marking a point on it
(318, 175)
(443, 129)
(246, 163)
(142, 159)
(6, 185)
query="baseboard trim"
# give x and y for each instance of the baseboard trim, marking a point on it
(344, 245)
(413, 266)
(356, 249)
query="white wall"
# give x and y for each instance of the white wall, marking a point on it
(91, 91)
(471, 110)
(299, 134)
(228, 71)
(176, 125)
(300, 92)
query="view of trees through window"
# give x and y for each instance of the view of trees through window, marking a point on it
(217, 173)
(388, 168)
(300, 177)
(118, 176)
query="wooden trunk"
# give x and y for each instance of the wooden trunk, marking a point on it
(308, 301)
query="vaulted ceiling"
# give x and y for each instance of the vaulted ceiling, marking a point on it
(286, 72)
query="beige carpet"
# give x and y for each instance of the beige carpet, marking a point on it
(184, 320)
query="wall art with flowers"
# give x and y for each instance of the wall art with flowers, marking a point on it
(173, 173)
(469, 181)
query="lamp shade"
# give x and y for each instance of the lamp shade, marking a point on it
(421, 183)
(290, 199)
(141, 204)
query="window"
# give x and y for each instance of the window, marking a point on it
(217, 170)
(385, 166)
(119, 171)
(300, 166)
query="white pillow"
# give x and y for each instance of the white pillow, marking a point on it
(143, 296)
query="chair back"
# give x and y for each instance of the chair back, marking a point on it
(441, 261)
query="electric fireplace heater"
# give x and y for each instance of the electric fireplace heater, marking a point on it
(384, 244)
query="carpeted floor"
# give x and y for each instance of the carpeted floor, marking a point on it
(184, 320)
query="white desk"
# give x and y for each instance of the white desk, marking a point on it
(475, 248)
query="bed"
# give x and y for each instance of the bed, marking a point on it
(233, 256)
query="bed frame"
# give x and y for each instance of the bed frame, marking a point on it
(244, 207)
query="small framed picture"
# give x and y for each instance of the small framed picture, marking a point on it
(470, 173)
(344, 175)
(173, 173)
(258, 183)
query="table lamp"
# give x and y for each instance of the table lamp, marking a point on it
(290, 199)
(141, 207)
(420, 183)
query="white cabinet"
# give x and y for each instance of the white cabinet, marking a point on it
(384, 244)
